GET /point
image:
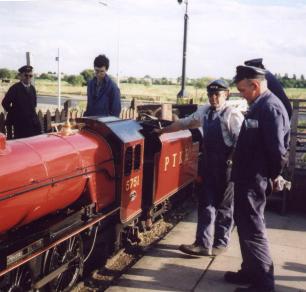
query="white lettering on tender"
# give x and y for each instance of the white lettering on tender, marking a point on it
(167, 160)
(181, 158)
(174, 159)
(177, 158)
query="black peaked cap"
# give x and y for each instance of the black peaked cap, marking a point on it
(25, 69)
(248, 72)
(254, 62)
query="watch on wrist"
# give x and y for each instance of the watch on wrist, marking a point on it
(229, 162)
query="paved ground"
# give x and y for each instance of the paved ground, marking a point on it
(164, 268)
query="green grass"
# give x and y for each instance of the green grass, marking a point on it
(163, 93)
(160, 93)
(299, 93)
(48, 87)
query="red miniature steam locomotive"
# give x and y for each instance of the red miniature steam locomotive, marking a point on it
(58, 190)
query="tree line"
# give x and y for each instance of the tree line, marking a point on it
(87, 74)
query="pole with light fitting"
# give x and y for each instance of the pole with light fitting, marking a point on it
(59, 102)
(182, 93)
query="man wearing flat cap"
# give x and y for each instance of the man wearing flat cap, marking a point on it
(260, 156)
(273, 84)
(20, 103)
(221, 125)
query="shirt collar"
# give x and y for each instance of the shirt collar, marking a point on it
(218, 109)
(105, 80)
(26, 85)
(256, 101)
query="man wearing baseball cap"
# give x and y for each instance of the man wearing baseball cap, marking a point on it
(221, 125)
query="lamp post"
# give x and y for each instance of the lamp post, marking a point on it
(182, 93)
(29, 61)
(57, 59)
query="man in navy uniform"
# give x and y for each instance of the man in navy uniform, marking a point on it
(103, 95)
(221, 125)
(20, 102)
(260, 156)
(273, 84)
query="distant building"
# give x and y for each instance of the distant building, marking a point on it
(173, 81)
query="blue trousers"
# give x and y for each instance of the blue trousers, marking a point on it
(215, 217)
(250, 201)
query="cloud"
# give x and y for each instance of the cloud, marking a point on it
(221, 34)
(225, 33)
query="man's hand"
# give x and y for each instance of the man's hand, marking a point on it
(157, 131)
(279, 184)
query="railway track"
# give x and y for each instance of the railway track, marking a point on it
(104, 275)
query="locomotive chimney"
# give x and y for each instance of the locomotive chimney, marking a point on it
(66, 129)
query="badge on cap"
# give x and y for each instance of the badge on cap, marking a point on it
(217, 85)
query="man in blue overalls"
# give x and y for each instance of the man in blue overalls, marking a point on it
(221, 125)
(260, 155)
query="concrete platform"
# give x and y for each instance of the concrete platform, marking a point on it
(164, 268)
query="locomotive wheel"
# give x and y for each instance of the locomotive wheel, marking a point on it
(69, 253)
(19, 280)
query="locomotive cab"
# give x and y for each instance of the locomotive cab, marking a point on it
(127, 144)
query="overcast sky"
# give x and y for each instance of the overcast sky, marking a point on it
(145, 36)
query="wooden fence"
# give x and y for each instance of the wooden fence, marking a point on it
(48, 120)
(297, 156)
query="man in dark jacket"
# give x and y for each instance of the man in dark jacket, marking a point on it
(20, 102)
(273, 84)
(260, 156)
(103, 95)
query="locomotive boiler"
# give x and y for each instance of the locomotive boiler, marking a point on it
(58, 190)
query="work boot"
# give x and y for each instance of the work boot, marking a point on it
(254, 289)
(195, 249)
(217, 250)
(239, 278)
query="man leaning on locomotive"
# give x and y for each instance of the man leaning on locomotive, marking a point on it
(221, 125)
